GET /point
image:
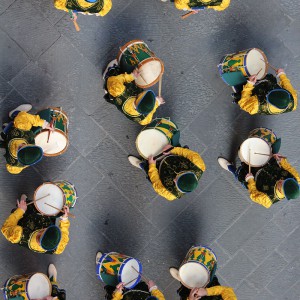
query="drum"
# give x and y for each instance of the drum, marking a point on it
(114, 268)
(264, 133)
(69, 192)
(255, 152)
(136, 54)
(154, 137)
(29, 286)
(235, 68)
(57, 142)
(198, 267)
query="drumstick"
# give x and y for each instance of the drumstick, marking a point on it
(188, 14)
(71, 13)
(162, 154)
(49, 131)
(268, 154)
(249, 158)
(146, 279)
(130, 281)
(159, 85)
(258, 72)
(69, 214)
(38, 199)
(77, 29)
(272, 67)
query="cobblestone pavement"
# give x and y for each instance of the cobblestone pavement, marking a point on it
(44, 61)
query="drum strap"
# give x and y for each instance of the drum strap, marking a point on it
(93, 8)
(195, 3)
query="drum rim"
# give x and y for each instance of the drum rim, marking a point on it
(143, 130)
(122, 267)
(132, 42)
(216, 258)
(157, 79)
(265, 58)
(198, 263)
(60, 152)
(242, 158)
(45, 276)
(34, 199)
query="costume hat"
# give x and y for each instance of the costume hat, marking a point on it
(187, 182)
(51, 238)
(145, 102)
(291, 189)
(29, 155)
(279, 98)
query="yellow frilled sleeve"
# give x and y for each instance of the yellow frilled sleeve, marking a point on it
(286, 165)
(248, 102)
(116, 84)
(227, 293)
(193, 156)
(222, 6)
(14, 169)
(64, 226)
(149, 117)
(257, 196)
(286, 84)
(25, 121)
(184, 5)
(157, 184)
(117, 295)
(158, 294)
(10, 228)
(106, 8)
(61, 4)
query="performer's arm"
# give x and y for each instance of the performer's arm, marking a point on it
(10, 228)
(106, 8)
(157, 184)
(149, 117)
(249, 103)
(227, 293)
(157, 293)
(64, 226)
(286, 84)
(115, 84)
(193, 156)
(182, 4)
(257, 196)
(222, 6)
(117, 295)
(286, 165)
(25, 121)
(13, 169)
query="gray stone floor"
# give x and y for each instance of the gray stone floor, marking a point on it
(44, 61)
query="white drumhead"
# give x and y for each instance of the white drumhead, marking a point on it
(193, 274)
(39, 286)
(151, 142)
(57, 142)
(56, 198)
(150, 71)
(128, 273)
(255, 61)
(255, 145)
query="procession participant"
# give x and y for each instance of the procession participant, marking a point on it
(213, 291)
(18, 139)
(270, 182)
(141, 291)
(36, 232)
(196, 5)
(176, 174)
(267, 97)
(135, 103)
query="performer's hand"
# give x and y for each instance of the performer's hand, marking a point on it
(278, 157)
(151, 160)
(49, 127)
(160, 100)
(280, 71)
(194, 294)
(166, 148)
(253, 79)
(249, 176)
(136, 73)
(66, 210)
(22, 203)
(120, 287)
(151, 284)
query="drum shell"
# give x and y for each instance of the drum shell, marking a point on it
(136, 54)
(164, 126)
(109, 268)
(22, 281)
(69, 191)
(195, 255)
(264, 133)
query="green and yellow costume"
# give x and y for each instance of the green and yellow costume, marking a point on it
(253, 98)
(125, 92)
(99, 8)
(22, 228)
(163, 173)
(193, 4)
(227, 293)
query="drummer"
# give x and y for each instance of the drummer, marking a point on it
(18, 139)
(96, 7)
(212, 289)
(268, 184)
(135, 103)
(176, 174)
(195, 6)
(267, 97)
(36, 232)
